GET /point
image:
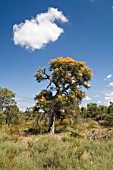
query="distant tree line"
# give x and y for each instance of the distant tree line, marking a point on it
(58, 103)
(102, 114)
(11, 115)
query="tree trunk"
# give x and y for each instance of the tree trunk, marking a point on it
(6, 121)
(51, 123)
(51, 118)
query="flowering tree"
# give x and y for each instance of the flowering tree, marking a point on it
(64, 90)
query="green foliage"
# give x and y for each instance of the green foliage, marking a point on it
(12, 114)
(9, 151)
(92, 110)
(8, 108)
(102, 114)
(6, 98)
(92, 124)
(2, 119)
(64, 92)
(55, 153)
(110, 108)
(29, 115)
(66, 79)
(73, 132)
(69, 153)
(4, 136)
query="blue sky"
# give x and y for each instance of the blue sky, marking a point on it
(81, 29)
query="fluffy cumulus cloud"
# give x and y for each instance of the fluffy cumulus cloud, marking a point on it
(36, 33)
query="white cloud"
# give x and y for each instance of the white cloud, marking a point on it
(23, 102)
(109, 97)
(109, 76)
(87, 98)
(111, 84)
(36, 33)
(109, 94)
(96, 96)
(99, 102)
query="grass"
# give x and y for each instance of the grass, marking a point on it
(58, 152)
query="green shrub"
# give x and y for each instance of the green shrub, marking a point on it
(92, 124)
(70, 153)
(56, 153)
(60, 128)
(51, 153)
(73, 132)
(8, 153)
(4, 136)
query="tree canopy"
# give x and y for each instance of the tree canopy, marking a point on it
(64, 90)
(6, 98)
(8, 107)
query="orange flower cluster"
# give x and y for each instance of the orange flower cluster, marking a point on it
(67, 60)
(56, 69)
(42, 99)
(73, 96)
(83, 94)
(80, 74)
(82, 63)
(59, 97)
(57, 88)
(76, 91)
(61, 59)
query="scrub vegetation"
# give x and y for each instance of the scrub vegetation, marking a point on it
(56, 133)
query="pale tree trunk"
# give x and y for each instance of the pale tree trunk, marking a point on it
(51, 123)
(51, 119)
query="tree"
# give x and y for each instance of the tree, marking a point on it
(92, 110)
(83, 111)
(6, 98)
(12, 114)
(28, 114)
(6, 101)
(64, 91)
(102, 111)
(110, 108)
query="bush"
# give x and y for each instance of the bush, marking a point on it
(8, 154)
(92, 124)
(52, 153)
(4, 136)
(70, 153)
(56, 153)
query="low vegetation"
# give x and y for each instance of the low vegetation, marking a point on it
(58, 152)
(83, 138)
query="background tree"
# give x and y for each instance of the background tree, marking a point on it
(12, 114)
(92, 110)
(6, 98)
(102, 111)
(29, 114)
(7, 104)
(83, 112)
(64, 91)
(110, 108)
